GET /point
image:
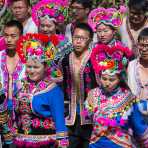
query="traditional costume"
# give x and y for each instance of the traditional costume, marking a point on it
(39, 106)
(56, 11)
(4, 129)
(110, 17)
(114, 113)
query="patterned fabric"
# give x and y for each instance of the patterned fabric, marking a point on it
(4, 129)
(87, 81)
(4, 75)
(39, 114)
(113, 116)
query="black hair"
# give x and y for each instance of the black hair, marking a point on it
(143, 33)
(84, 3)
(15, 23)
(84, 26)
(26, 1)
(138, 5)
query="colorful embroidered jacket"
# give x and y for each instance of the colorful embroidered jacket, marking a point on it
(4, 82)
(39, 118)
(113, 116)
(4, 75)
(87, 81)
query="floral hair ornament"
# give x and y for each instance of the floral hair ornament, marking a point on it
(109, 16)
(110, 60)
(51, 10)
(38, 47)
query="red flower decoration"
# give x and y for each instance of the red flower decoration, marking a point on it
(21, 49)
(54, 39)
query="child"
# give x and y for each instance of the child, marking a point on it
(112, 105)
(105, 22)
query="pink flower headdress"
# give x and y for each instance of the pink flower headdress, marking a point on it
(110, 16)
(110, 60)
(56, 10)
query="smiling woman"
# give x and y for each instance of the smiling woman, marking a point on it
(39, 100)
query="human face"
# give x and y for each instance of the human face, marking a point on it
(105, 33)
(81, 39)
(35, 70)
(11, 35)
(136, 16)
(79, 13)
(109, 82)
(1, 4)
(47, 27)
(143, 48)
(20, 10)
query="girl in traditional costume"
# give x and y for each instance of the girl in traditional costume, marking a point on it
(105, 22)
(50, 16)
(39, 103)
(114, 109)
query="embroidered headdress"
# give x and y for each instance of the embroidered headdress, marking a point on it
(109, 16)
(56, 10)
(38, 47)
(110, 60)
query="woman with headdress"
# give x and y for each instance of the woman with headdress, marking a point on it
(105, 22)
(39, 104)
(50, 16)
(115, 110)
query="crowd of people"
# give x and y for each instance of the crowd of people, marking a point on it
(74, 74)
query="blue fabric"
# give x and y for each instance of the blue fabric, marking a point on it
(10, 105)
(137, 121)
(104, 142)
(78, 109)
(49, 104)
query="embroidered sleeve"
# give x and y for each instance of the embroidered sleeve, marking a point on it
(57, 111)
(139, 126)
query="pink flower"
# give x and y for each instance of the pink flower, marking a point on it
(122, 122)
(36, 123)
(60, 18)
(84, 113)
(46, 124)
(31, 86)
(112, 123)
(119, 133)
(30, 50)
(50, 12)
(39, 51)
(123, 9)
(116, 21)
(87, 70)
(42, 85)
(105, 17)
(101, 56)
(117, 56)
